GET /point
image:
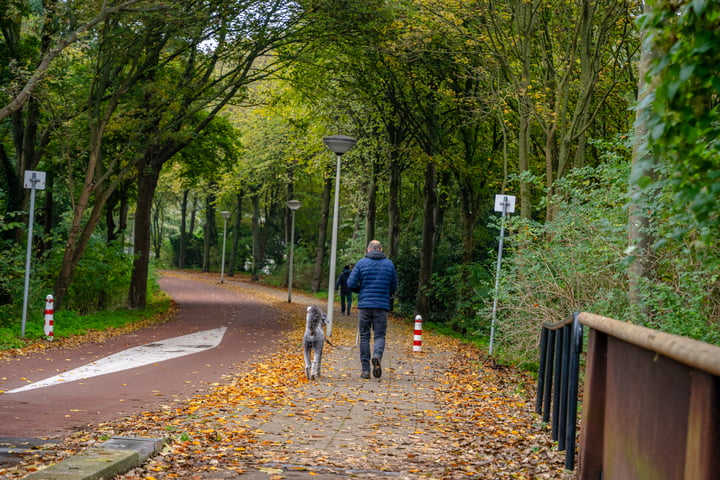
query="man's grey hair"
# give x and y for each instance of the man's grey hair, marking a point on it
(374, 246)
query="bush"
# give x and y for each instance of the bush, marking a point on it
(101, 280)
(577, 262)
(458, 295)
(12, 273)
(568, 264)
(12, 283)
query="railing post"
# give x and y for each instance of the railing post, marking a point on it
(572, 397)
(550, 353)
(564, 385)
(560, 349)
(541, 371)
(559, 334)
(592, 433)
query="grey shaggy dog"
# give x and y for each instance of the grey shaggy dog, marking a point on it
(314, 340)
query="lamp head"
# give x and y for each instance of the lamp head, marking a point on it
(339, 144)
(294, 204)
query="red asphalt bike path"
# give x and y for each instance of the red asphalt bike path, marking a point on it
(253, 327)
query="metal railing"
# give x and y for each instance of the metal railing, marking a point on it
(651, 400)
(560, 349)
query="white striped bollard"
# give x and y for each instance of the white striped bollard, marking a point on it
(417, 339)
(49, 317)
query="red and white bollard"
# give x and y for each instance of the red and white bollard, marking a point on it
(49, 314)
(417, 339)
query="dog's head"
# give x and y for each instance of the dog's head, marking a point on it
(315, 318)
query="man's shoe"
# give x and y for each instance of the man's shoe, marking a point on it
(365, 375)
(377, 371)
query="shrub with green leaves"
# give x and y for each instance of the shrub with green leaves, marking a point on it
(568, 264)
(101, 279)
(12, 279)
(578, 262)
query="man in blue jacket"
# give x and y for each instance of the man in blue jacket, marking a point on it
(375, 279)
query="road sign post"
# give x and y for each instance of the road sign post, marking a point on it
(34, 181)
(504, 204)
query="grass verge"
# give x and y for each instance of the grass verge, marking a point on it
(70, 325)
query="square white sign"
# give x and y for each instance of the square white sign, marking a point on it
(39, 178)
(505, 202)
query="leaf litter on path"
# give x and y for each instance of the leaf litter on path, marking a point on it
(445, 413)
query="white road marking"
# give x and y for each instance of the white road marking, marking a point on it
(137, 357)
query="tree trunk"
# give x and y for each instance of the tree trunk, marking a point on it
(525, 27)
(255, 199)
(288, 227)
(442, 181)
(117, 205)
(26, 132)
(427, 254)
(640, 230)
(550, 168)
(82, 226)
(182, 241)
(572, 107)
(77, 242)
(156, 234)
(206, 248)
(193, 215)
(49, 213)
(322, 235)
(210, 237)
(394, 206)
(11, 183)
(469, 211)
(271, 210)
(236, 237)
(147, 183)
(371, 213)
(524, 157)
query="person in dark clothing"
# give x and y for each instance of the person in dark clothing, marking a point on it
(345, 293)
(375, 279)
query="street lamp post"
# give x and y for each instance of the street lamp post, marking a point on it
(225, 216)
(338, 144)
(292, 205)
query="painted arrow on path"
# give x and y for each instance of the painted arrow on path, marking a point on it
(137, 357)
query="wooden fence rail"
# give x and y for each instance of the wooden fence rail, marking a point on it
(651, 400)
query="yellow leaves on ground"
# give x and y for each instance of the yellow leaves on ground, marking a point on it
(479, 422)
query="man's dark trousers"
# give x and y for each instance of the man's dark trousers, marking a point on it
(375, 320)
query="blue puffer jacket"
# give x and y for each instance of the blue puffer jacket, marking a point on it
(375, 279)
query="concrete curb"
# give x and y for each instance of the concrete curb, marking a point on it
(113, 457)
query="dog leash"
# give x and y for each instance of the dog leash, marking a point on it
(339, 348)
